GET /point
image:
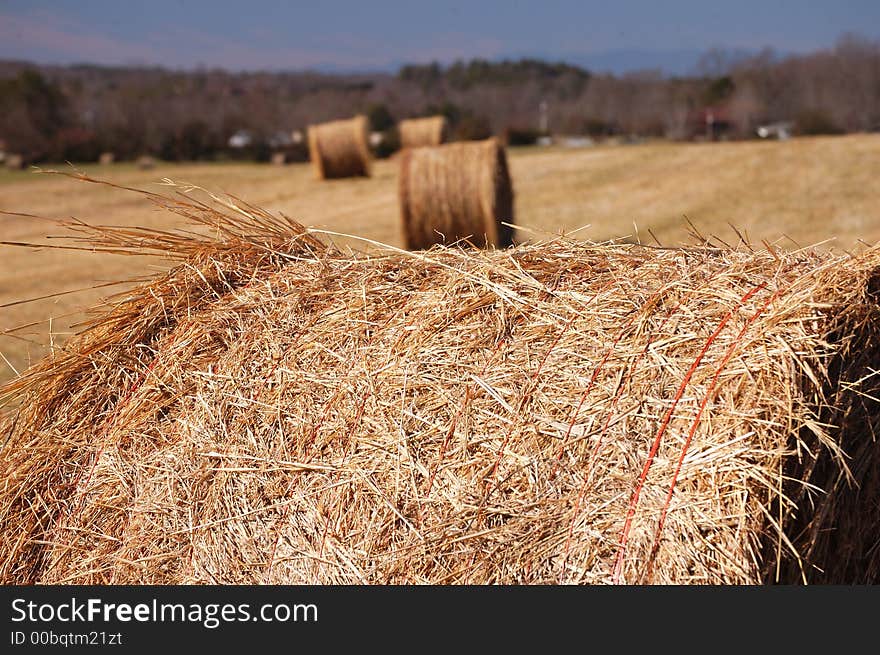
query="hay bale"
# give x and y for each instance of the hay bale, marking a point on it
(15, 162)
(340, 148)
(107, 158)
(279, 158)
(146, 163)
(273, 410)
(456, 191)
(417, 132)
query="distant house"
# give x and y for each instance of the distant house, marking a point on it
(241, 139)
(711, 123)
(780, 131)
(280, 139)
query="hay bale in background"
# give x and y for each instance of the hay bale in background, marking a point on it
(279, 158)
(340, 148)
(273, 410)
(456, 191)
(146, 163)
(15, 162)
(106, 158)
(416, 132)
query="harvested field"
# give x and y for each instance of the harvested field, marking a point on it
(807, 189)
(276, 410)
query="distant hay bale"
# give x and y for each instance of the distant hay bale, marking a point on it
(107, 158)
(146, 163)
(456, 191)
(340, 148)
(15, 162)
(279, 158)
(273, 410)
(416, 132)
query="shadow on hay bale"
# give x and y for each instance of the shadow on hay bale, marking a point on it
(453, 192)
(273, 410)
(340, 148)
(417, 132)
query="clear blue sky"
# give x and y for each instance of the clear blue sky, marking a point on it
(378, 34)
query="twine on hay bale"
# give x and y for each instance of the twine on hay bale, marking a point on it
(340, 148)
(456, 191)
(274, 410)
(417, 132)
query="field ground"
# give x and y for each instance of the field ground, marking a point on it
(798, 192)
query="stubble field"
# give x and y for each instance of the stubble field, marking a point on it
(791, 194)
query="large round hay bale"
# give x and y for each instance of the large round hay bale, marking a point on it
(340, 148)
(457, 191)
(417, 132)
(272, 410)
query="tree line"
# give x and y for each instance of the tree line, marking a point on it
(73, 113)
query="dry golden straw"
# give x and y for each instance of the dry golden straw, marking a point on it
(273, 410)
(340, 148)
(417, 132)
(458, 191)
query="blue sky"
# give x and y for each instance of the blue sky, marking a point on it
(381, 34)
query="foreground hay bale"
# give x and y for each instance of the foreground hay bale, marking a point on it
(456, 191)
(417, 132)
(273, 410)
(340, 148)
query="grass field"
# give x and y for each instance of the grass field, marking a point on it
(793, 193)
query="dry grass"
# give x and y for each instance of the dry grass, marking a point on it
(458, 191)
(808, 189)
(276, 410)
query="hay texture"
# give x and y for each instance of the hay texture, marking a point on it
(458, 191)
(273, 410)
(417, 132)
(340, 148)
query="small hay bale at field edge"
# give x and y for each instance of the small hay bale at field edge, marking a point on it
(273, 410)
(456, 191)
(106, 158)
(340, 148)
(417, 132)
(15, 162)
